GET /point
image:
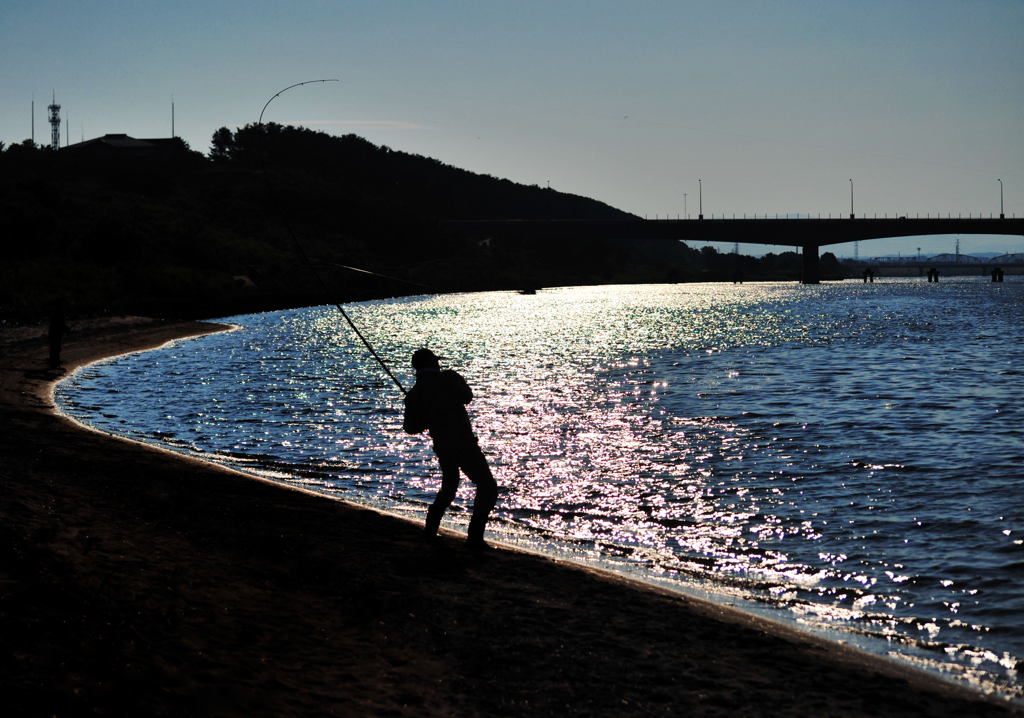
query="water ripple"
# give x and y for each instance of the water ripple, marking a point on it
(845, 454)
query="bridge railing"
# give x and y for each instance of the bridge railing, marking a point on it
(876, 215)
(965, 260)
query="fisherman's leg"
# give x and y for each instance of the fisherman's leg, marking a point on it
(474, 464)
(444, 498)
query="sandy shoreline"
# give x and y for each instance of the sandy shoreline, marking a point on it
(135, 581)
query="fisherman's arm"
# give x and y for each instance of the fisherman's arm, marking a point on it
(413, 420)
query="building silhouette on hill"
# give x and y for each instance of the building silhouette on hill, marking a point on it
(121, 146)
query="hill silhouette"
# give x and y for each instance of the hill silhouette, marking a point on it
(118, 225)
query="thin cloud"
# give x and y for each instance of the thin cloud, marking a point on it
(365, 124)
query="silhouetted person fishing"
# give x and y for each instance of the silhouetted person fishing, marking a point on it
(437, 403)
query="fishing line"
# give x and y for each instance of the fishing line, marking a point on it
(386, 276)
(302, 252)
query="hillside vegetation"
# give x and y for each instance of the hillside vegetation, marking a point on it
(182, 234)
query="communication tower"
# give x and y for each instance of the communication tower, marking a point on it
(54, 123)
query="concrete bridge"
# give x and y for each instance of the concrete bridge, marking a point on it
(808, 234)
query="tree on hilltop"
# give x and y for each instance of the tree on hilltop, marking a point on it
(222, 145)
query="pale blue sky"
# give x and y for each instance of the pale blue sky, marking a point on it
(775, 105)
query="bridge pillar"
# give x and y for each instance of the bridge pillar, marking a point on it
(810, 273)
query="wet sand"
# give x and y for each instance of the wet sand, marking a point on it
(138, 582)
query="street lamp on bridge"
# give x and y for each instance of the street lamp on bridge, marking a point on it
(686, 214)
(851, 198)
(1001, 214)
(700, 200)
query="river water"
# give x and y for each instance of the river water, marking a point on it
(845, 457)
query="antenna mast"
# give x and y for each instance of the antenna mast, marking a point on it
(54, 123)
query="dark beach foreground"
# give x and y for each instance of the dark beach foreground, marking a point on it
(138, 582)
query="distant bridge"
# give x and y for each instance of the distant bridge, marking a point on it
(909, 266)
(808, 234)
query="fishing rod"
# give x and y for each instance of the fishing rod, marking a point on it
(312, 267)
(281, 92)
